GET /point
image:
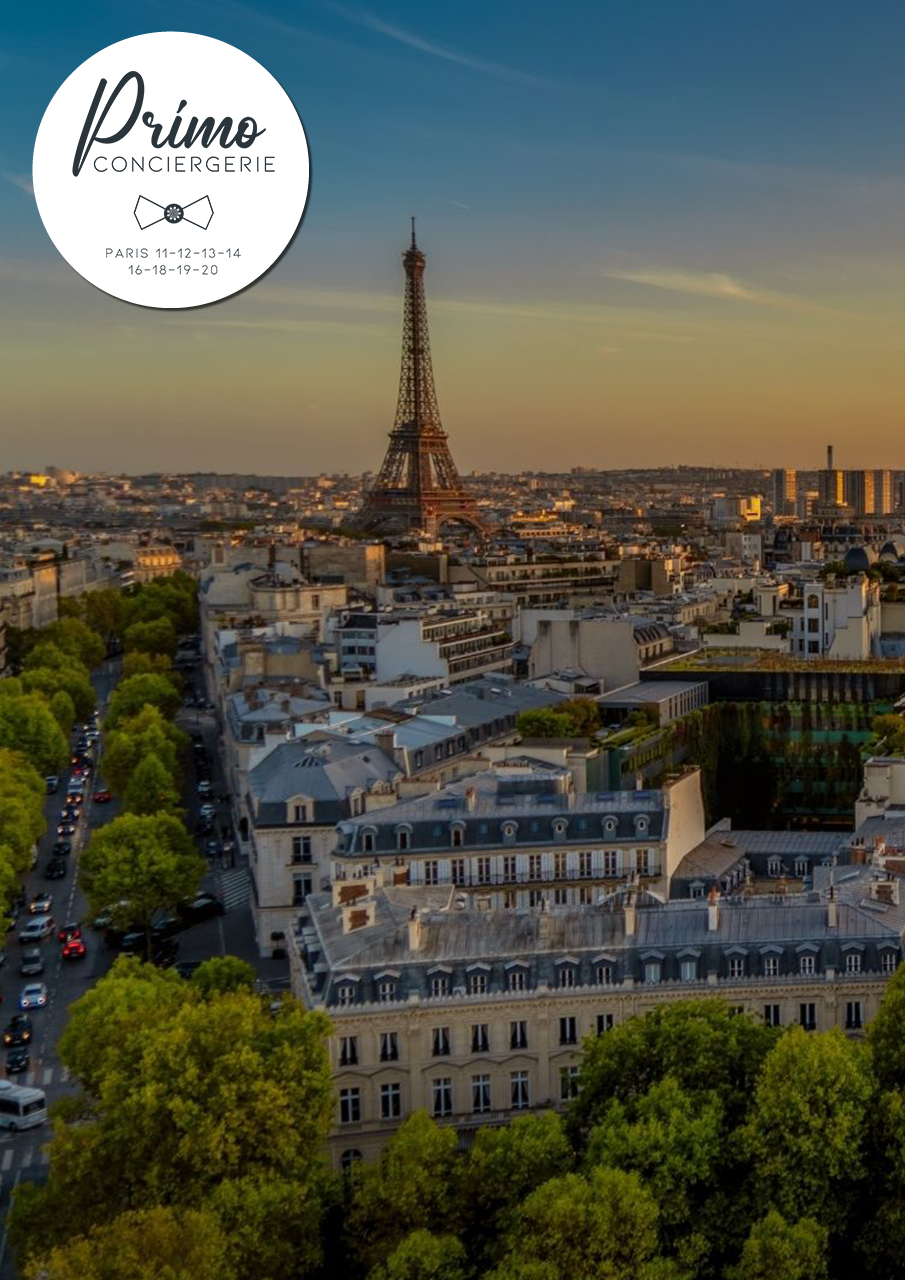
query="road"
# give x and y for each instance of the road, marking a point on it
(24, 1156)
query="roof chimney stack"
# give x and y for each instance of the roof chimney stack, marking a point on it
(414, 927)
(713, 909)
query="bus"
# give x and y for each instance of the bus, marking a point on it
(21, 1107)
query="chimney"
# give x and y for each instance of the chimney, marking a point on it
(469, 799)
(629, 910)
(639, 780)
(713, 910)
(414, 927)
(829, 457)
(832, 910)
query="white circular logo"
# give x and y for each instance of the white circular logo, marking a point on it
(171, 170)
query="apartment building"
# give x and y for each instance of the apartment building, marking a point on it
(478, 1015)
(837, 620)
(451, 644)
(520, 836)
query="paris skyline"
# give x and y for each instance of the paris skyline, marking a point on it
(639, 251)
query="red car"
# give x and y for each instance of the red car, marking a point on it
(102, 797)
(74, 949)
(68, 931)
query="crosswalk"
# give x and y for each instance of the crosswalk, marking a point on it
(235, 887)
(25, 1157)
(42, 1077)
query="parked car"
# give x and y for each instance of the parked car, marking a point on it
(40, 904)
(38, 928)
(33, 996)
(185, 968)
(17, 1060)
(61, 848)
(102, 796)
(201, 907)
(18, 1030)
(207, 810)
(56, 869)
(52, 782)
(204, 787)
(163, 950)
(32, 963)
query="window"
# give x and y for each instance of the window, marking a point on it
(386, 991)
(348, 1051)
(853, 1015)
(367, 841)
(771, 966)
(586, 894)
(480, 1038)
(345, 995)
(519, 1090)
(772, 1015)
(432, 872)
(509, 830)
(559, 864)
(301, 813)
(559, 828)
(736, 966)
(510, 898)
(560, 897)
(441, 1042)
(604, 1023)
(584, 863)
(604, 975)
(888, 961)
(458, 870)
(477, 984)
(688, 970)
(301, 848)
(566, 975)
(442, 1095)
(440, 985)
(483, 871)
(301, 887)
(652, 971)
(518, 1035)
(807, 1016)
(458, 837)
(509, 866)
(568, 1082)
(390, 1101)
(480, 1093)
(853, 962)
(536, 898)
(348, 1158)
(516, 980)
(535, 867)
(389, 1046)
(643, 862)
(773, 867)
(610, 862)
(419, 759)
(801, 867)
(403, 840)
(568, 1030)
(349, 1106)
(806, 965)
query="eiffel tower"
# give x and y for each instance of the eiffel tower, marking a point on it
(418, 486)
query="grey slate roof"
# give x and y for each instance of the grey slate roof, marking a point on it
(326, 770)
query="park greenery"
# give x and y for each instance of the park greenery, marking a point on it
(700, 1145)
(574, 718)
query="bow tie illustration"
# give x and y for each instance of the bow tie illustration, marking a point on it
(147, 213)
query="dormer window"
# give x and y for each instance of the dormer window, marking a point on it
(641, 823)
(457, 835)
(609, 825)
(560, 827)
(300, 813)
(509, 830)
(367, 840)
(403, 838)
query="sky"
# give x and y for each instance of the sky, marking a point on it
(656, 233)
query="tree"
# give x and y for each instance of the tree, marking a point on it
(699, 1043)
(504, 1166)
(156, 1244)
(885, 1034)
(147, 733)
(889, 731)
(72, 679)
(22, 821)
(603, 1226)
(157, 635)
(544, 724)
(806, 1131)
(138, 663)
(781, 1250)
(133, 695)
(221, 974)
(423, 1256)
(414, 1186)
(75, 638)
(105, 612)
(27, 725)
(63, 710)
(272, 1225)
(151, 789)
(141, 864)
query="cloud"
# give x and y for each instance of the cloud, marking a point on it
(20, 180)
(370, 21)
(712, 284)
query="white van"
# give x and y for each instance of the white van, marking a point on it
(21, 1107)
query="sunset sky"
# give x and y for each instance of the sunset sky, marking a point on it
(656, 233)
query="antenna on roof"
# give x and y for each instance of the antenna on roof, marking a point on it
(414, 246)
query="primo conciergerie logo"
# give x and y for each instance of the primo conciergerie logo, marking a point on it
(171, 170)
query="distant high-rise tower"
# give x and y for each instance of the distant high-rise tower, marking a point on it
(785, 491)
(418, 486)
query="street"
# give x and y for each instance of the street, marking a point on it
(24, 1156)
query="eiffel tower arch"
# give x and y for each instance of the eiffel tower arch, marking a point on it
(418, 486)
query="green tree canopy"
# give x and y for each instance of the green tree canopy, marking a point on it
(220, 974)
(71, 679)
(138, 663)
(886, 1034)
(137, 692)
(544, 724)
(157, 636)
(137, 865)
(78, 640)
(423, 1256)
(63, 709)
(781, 1250)
(151, 788)
(146, 733)
(806, 1131)
(27, 725)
